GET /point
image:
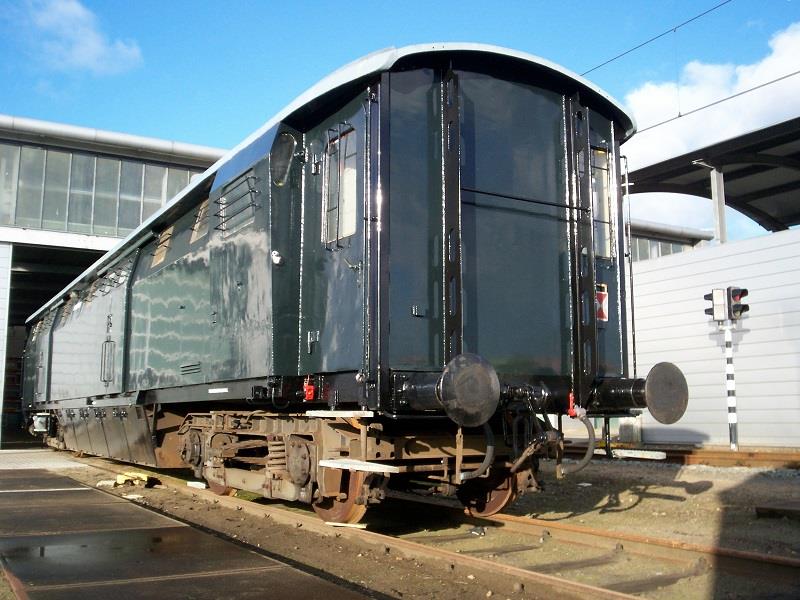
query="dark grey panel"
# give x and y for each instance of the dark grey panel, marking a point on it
(109, 517)
(137, 432)
(78, 343)
(241, 285)
(117, 440)
(170, 312)
(249, 585)
(511, 138)
(94, 427)
(609, 352)
(415, 192)
(26, 479)
(41, 500)
(516, 284)
(333, 293)
(106, 556)
(285, 223)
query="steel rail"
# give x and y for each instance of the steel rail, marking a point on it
(786, 459)
(549, 584)
(534, 525)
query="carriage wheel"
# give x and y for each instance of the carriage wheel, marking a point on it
(484, 497)
(345, 509)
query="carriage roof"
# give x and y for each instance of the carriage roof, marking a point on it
(352, 75)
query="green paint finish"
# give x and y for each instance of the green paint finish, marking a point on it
(332, 291)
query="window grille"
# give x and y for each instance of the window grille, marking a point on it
(237, 204)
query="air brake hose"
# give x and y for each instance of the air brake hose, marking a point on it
(488, 459)
(570, 469)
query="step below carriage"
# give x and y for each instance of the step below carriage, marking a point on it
(395, 282)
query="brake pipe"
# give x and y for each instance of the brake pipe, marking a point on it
(578, 412)
(487, 460)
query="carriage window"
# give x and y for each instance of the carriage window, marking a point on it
(340, 185)
(281, 158)
(200, 227)
(160, 253)
(601, 199)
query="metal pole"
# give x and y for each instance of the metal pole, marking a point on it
(718, 198)
(730, 385)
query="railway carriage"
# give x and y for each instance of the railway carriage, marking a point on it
(394, 283)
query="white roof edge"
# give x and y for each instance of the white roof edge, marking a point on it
(378, 61)
(112, 139)
(669, 230)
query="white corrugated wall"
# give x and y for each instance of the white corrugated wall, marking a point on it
(671, 325)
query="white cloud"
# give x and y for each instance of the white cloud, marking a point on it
(700, 84)
(70, 39)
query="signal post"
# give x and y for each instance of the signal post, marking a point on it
(727, 308)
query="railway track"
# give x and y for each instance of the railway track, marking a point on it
(782, 459)
(551, 558)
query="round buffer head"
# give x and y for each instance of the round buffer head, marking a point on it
(666, 393)
(469, 390)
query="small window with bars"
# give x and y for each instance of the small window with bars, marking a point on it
(237, 204)
(601, 202)
(162, 246)
(340, 186)
(200, 227)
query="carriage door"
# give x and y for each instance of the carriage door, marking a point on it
(332, 282)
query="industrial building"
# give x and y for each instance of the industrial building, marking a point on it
(67, 195)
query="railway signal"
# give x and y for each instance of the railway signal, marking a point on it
(726, 308)
(718, 309)
(735, 307)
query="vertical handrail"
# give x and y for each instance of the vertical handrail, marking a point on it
(451, 219)
(629, 238)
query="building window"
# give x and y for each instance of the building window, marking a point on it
(9, 174)
(29, 193)
(106, 196)
(57, 190)
(130, 196)
(340, 194)
(81, 191)
(155, 184)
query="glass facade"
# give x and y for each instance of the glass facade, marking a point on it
(644, 248)
(79, 192)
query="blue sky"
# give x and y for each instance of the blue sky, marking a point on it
(211, 72)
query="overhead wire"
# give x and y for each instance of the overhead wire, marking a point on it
(736, 95)
(659, 36)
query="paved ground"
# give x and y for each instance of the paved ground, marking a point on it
(60, 539)
(11, 460)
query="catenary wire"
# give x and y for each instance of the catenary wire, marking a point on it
(736, 95)
(659, 36)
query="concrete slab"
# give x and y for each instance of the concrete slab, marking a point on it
(42, 458)
(35, 480)
(34, 499)
(124, 555)
(22, 521)
(60, 540)
(241, 585)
